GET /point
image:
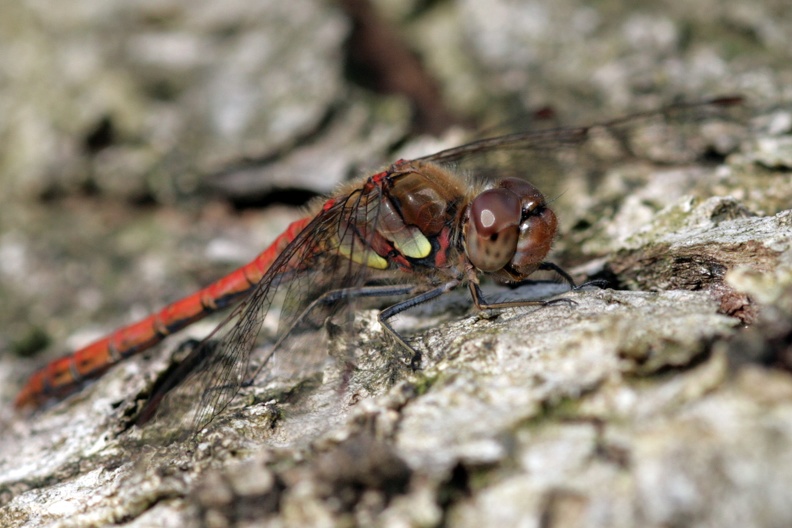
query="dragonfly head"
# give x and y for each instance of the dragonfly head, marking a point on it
(509, 229)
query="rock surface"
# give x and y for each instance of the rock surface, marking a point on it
(664, 401)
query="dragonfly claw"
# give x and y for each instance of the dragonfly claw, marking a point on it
(553, 302)
(415, 361)
(597, 283)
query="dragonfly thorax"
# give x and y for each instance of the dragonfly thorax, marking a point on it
(509, 229)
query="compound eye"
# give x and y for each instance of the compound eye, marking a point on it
(492, 229)
(530, 197)
(537, 228)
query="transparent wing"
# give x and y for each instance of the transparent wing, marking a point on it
(311, 265)
(677, 133)
(322, 257)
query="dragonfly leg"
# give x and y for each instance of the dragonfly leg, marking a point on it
(206, 349)
(388, 313)
(331, 297)
(550, 266)
(483, 304)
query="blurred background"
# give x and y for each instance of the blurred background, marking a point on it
(148, 146)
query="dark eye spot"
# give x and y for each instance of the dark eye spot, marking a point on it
(494, 237)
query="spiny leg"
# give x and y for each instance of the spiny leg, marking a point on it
(202, 351)
(331, 297)
(550, 266)
(482, 304)
(388, 313)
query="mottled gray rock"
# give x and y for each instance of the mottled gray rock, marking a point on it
(666, 403)
(137, 100)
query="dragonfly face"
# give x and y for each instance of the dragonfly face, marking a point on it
(509, 229)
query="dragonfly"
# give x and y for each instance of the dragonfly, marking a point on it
(415, 230)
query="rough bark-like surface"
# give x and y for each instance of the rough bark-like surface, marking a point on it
(665, 401)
